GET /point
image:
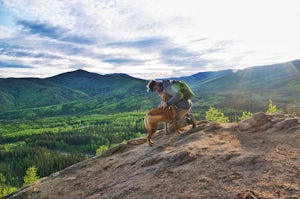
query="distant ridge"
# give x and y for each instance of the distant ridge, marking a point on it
(76, 73)
(19, 93)
(238, 89)
(204, 76)
(84, 73)
(95, 84)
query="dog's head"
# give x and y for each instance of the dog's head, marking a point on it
(150, 85)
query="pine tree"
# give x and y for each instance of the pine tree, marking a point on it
(214, 115)
(101, 149)
(31, 175)
(272, 108)
(245, 115)
(3, 188)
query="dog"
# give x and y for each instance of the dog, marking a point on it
(165, 97)
(157, 115)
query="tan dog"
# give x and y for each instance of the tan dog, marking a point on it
(157, 115)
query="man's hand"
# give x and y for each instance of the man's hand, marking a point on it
(164, 105)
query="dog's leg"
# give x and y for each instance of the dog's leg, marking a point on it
(175, 125)
(166, 127)
(150, 127)
(147, 127)
(174, 119)
(153, 127)
(150, 142)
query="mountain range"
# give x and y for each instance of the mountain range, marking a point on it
(84, 91)
(19, 93)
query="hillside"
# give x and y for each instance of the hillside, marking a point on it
(18, 93)
(77, 90)
(256, 158)
(95, 84)
(232, 91)
(250, 89)
(283, 76)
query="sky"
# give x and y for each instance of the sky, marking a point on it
(148, 39)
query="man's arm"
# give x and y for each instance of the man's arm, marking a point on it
(174, 99)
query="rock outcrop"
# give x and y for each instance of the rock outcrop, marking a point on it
(256, 158)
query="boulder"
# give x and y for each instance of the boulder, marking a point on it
(258, 121)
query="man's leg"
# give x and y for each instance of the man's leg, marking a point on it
(180, 117)
(190, 119)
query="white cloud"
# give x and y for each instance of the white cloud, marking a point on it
(6, 32)
(147, 38)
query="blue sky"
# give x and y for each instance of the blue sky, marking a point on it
(145, 38)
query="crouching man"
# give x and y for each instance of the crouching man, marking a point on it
(181, 98)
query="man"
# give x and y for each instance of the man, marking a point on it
(180, 98)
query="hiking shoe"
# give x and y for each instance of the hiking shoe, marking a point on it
(190, 119)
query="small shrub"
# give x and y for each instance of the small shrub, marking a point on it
(31, 175)
(245, 115)
(101, 149)
(214, 115)
(272, 108)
